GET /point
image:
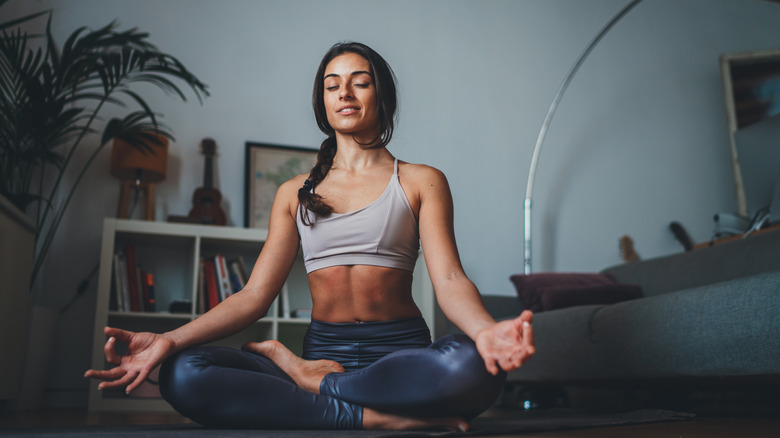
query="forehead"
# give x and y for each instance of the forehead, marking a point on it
(347, 64)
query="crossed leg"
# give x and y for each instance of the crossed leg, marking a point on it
(439, 386)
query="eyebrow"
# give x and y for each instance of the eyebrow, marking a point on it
(354, 73)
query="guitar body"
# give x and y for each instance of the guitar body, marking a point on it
(206, 207)
(207, 201)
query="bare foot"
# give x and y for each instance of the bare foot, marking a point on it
(373, 419)
(307, 374)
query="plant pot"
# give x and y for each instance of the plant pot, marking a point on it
(17, 234)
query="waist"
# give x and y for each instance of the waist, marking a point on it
(361, 293)
(356, 345)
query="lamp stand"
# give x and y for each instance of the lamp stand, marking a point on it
(529, 188)
(130, 186)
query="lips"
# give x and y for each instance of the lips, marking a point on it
(347, 110)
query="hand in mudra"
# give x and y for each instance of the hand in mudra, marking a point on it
(506, 345)
(145, 351)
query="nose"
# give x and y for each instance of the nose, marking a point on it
(345, 92)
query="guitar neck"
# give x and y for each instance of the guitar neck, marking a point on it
(208, 173)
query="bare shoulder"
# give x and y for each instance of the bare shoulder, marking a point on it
(293, 184)
(421, 174)
(287, 193)
(423, 178)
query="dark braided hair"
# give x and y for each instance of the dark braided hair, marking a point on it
(387, 102)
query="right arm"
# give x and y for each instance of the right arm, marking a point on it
(148, 350)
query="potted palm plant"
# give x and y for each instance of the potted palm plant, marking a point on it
(51, 100)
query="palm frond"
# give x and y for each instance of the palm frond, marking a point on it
(51, 97)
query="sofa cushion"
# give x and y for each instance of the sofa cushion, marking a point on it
(555, 290)
(720, 330)
(558, 297)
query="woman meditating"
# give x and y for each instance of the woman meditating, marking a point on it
(360, 216)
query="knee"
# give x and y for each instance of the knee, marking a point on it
(463, 363)
(468, 379)
(181, 380)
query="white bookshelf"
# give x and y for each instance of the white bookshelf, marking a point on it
(172, 253)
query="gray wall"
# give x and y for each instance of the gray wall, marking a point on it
(639, 139)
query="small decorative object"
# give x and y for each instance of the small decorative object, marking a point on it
(139, 167)
(206, 201)
(627, 251)
(267, 167)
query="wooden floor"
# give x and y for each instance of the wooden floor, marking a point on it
(701, 427)
(719, 414)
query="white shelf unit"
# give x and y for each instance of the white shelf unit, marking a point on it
(172, 253)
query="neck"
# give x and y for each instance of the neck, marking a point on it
(353, 158)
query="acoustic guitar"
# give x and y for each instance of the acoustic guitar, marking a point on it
(206, 201)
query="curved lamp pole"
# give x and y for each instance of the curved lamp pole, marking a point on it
(545, 125)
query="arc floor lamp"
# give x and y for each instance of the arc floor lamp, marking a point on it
(546, 124)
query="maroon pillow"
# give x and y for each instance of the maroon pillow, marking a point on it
(569, 287)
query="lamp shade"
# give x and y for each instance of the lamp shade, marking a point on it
(148, 165)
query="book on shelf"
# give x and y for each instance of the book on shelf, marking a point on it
(120, 281)
(148, 292)
(218, 278)
(132, 279)
(211, 288)
(223, 278)
(133, 285)
(237, 273)
(202, 306)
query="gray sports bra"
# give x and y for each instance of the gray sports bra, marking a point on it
(383, 233)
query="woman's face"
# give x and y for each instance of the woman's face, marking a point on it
(350, 97)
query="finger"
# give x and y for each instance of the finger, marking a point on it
(111, 374)
(506, 364)
(525, 318)
(119, 334)
(139, 379)
(110, 351)
(124, 381)
(491, 367)
(528, 338)
(513, 362)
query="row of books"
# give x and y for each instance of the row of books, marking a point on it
(218, 279)
(133, 285)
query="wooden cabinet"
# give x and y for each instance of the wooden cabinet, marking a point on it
(172, 253)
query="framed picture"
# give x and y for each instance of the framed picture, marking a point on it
(751, 84)
(267, 167)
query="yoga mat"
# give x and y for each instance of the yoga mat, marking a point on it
(520, 422)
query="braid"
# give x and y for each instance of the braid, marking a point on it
(307, 198)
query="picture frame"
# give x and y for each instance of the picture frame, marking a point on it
(751, 87)
(267, 166)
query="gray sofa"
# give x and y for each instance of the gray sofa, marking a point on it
(707, 316)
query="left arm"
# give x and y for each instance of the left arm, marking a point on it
(504, 345)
